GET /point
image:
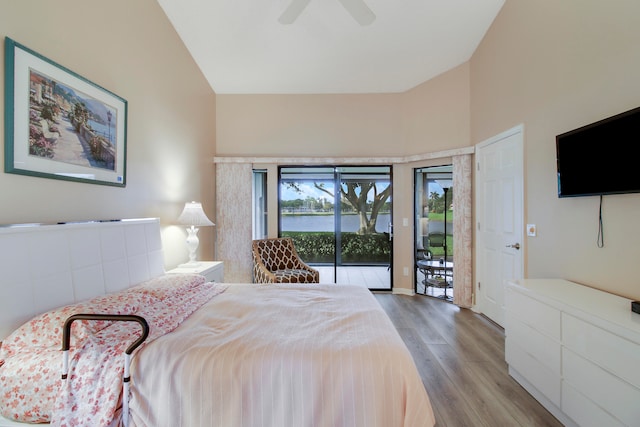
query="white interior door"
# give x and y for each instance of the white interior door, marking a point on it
(499, 211)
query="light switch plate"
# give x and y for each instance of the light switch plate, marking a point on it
(531, 230)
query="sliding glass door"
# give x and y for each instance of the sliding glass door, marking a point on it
(434, 231)
(364, 229)
(340, 220)
(307, 214)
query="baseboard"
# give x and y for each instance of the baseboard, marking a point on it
(403, 291)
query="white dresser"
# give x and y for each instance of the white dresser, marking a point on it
(576, 350)
(213, 271)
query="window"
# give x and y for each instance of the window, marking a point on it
(259, 202)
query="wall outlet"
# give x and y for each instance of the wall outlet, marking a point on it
(405, 271)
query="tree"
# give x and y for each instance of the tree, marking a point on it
(356, 195)
(436, 202)
(80, 115)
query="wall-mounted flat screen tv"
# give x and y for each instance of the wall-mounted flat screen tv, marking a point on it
(600, 158)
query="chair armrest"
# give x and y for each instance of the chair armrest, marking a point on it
(261, 273)
(303, 266)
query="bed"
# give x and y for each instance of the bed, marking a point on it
(217, 354)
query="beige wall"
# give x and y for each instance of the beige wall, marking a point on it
(129, 48)
(432, 117)
(308, 125)
(555, 66)
(436, 114)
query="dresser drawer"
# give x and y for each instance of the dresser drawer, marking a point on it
(529, 311)
(538, 375)
(605, 390)
(613, 353)
(539, 346)
(583, 411)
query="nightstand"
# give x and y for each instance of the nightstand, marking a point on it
(212, 270)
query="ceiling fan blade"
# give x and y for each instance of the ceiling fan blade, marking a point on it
(292, 12)
(360, 11)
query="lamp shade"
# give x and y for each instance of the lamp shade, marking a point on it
(193, 214)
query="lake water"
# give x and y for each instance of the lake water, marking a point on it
(350, 223)
(102, 129)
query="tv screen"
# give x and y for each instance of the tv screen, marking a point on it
(600, 158)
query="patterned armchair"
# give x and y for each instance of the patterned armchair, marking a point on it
(276, 261)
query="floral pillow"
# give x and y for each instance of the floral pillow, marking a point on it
(30, 383)
(45, 330)
(36, 374)
(163, 287)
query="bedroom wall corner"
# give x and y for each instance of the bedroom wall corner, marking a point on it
(130, 49)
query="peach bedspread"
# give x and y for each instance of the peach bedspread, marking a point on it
(277, 356)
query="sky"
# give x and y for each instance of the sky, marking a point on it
(287, 193)
(308, 190)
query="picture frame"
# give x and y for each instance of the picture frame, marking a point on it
(60, 125)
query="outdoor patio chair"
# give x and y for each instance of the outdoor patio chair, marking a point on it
(435, 240)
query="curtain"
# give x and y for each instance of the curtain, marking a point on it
(462, 231)
(233, 220)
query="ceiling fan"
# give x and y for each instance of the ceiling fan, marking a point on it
(357, 8)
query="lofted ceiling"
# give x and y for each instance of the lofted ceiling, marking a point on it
(242, 47)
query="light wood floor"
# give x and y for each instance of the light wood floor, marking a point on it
(460, 357)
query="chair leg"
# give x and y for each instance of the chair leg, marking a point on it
(446, 297)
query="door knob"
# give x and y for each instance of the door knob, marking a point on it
(515, 246)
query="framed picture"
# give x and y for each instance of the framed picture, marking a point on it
(59, 124)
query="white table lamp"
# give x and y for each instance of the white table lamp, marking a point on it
(193, 215)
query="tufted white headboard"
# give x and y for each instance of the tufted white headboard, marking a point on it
(46, 266)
